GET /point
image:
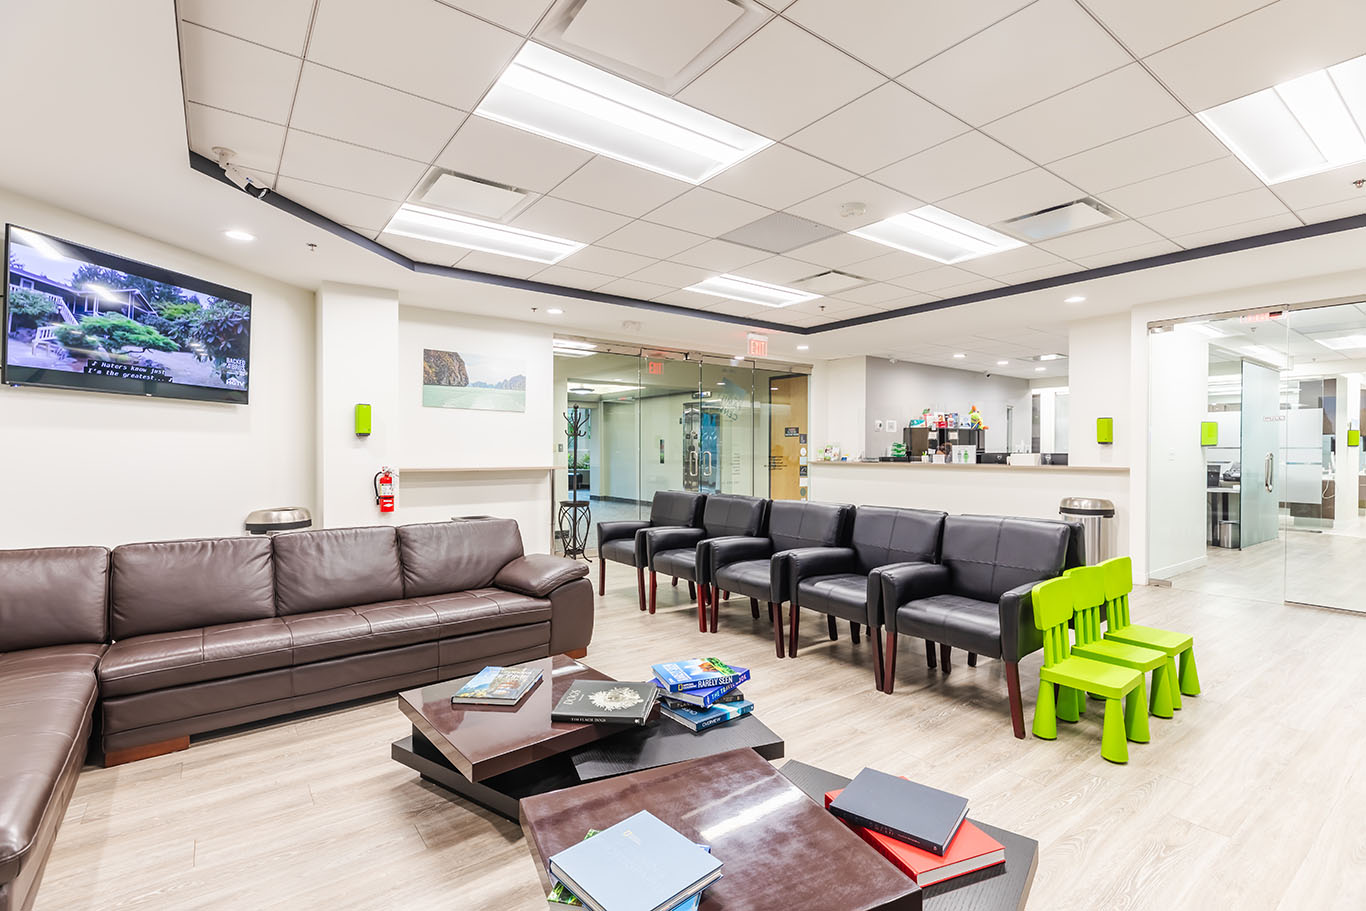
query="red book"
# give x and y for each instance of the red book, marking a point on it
(971, 850)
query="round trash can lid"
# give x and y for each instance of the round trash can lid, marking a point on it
(1086, 506)
(278, 518)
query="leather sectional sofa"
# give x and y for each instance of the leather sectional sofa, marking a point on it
(156, 642)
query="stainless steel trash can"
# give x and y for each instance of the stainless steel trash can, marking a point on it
(1097, 518)
(1228, 534)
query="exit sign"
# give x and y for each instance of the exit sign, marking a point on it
(655, 367)
(757, 345)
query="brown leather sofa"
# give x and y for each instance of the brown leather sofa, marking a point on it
(211, 633)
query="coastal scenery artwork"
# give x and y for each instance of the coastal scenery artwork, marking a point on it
(483, 382)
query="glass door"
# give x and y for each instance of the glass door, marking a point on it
(730, 456)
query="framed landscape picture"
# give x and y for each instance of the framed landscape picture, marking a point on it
(482, 382)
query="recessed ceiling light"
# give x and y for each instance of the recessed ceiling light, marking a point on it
(440, 227)
(554, 311)
(751, 291)
(772, 388)
(1050, 357)
(556, 96)
(574, 343)
(938, 235)
(960, 355)
(581, 390)
(1040, 369)
(239, 235)
(1203, 329)
(1343, 342)
(1002, 363)
(803, 347)
(1310, 124)
(1074, 299)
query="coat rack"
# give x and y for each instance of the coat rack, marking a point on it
(575, 515)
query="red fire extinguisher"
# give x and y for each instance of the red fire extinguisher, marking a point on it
(384, 490)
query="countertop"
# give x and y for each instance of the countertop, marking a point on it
(974, 466)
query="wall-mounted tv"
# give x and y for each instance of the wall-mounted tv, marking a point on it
(77, 318)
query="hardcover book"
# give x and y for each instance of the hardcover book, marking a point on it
(697, 719)
(971, 850)
(702, 698)
(497, 686)
(639, 864)
(560, 894)
(697, 674)
(923, 816)
(606, 701)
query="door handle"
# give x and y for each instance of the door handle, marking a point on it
(1270, 472)
(706, 463)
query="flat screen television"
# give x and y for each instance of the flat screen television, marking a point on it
(77, 318)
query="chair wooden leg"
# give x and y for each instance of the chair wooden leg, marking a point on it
(777, 629)
(1016, 703)
(675, 582)
(945, 650)
(889, 662)
(692, 591)
(853, 632)
(754, 608)
(794, 621)
(640, 586)
(725, 596)
(602, 576)
(929, 654)
(702, 611)
(830, 625)
(654, 590)
(972, 659)
(715, 611)
(875, 637)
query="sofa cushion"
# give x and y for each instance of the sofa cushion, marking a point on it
(176, 585)
(752, 578)
(462, 613)
(52, 596)
(620, 550)
(440, 557)
(961, 622)
(843, 595)
(336, 567)
(156, 661)
(46, 700)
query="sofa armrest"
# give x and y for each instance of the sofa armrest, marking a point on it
(1019, 636)
(666, 537)
(612, 531)
(804, 562)
(901, 583)
(538, 575)
(571, 617)
(733, 549)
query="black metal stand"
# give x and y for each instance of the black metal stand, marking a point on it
(575, 517)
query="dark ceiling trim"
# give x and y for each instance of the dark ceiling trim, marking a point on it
(1301, 232)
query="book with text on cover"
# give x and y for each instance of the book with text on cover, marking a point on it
(971, 850)
(639, 864)
(700, 699)
(606, 701)
(924, 816)
(497, 686)
(700, 719)
(559, 895)
(697, 673)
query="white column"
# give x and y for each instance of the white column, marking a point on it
(1098, 355)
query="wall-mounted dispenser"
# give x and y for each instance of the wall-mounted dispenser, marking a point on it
(362, 420)
(1105, 430)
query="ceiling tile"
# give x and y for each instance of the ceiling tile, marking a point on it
(895, 264)
(1100, 240)
(1320, 189)
(1154, 24)
(507, 155)
(1017, 195)
(648, 239)
(719, 256)
(1160, 150)
(278, 24)
(1333, 210)
(605, 261)
(876, 293)
(1122, 102)
(365, 213)
(1062, 267)
(960, 164)
(1251, 228)
(973, 287)
(1126, 255)
(256, 143)
(423, 251)
(1267, 46)
(706, 212)
(895, 35)
(569, 220)
(479, 261)
(886, 125)
(630, 287)
(571, 278)
(779, 80)
(605, 183)
(690, 299)
(519, 15)
(780, 270)
(675, 275)
(938, 278)
(838, 251)
(779, 177)
(1043, 49)
(350, 167)
(235, 75)
(1211, 180)
(365, 113)
(415, 45)
(1007, 261)
(1216, 213)
(879, 201)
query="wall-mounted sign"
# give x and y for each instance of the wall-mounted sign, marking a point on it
(655, 368)
(1260, 317)
(756, 344)
(792, 431)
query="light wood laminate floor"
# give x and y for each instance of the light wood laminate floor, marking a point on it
(1251, 798)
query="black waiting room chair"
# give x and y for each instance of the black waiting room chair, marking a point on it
(674, 551)
(617, 541)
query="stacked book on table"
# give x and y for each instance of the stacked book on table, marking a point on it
(922, 830)
(700, 693)
(639, 864)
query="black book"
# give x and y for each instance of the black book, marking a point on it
(922, 816)
(606, 701)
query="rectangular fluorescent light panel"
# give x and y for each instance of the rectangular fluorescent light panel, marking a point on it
(547, 93)
(1311, 124)
(1059, 220)
(751, 291)
(938, 235)
(1343, 342)
(440, 227)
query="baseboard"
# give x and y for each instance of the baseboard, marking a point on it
(1166, 572)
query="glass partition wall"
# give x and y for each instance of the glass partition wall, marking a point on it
(673, 420)
(1266, 500)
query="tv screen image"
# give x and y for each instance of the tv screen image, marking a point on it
(79, 318)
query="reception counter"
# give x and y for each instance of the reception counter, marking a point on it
(1014, 490)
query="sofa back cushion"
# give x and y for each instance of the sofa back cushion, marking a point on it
(443, 557)
(792, 523)
(989, 555)
(884, 535)
(52, 596)
(336, 567)
(677, 507)
(164, 586)
(732, 514)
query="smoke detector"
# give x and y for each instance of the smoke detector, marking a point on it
(853, 210)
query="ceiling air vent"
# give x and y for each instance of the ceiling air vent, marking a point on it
(473, 196)
(830, 282)
(779, 232)
(1059, 220)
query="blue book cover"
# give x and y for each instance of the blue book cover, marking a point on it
(559, 895)
(699, 698)
(698, 673)
(639, 864)
(701, 719)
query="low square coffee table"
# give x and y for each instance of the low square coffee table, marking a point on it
(497, 755)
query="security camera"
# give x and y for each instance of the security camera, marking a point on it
(987, 375)
(241, 179)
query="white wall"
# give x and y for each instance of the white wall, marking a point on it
(1098, 355)
(1176, 463)
(903, 390)
(107, 469)
(839, 390)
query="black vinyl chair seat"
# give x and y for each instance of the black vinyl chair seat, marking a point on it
(680, 563)
(746, 577)
(843, 595)
(621, 542)
(620, 550)
(966, 622)
(677, 551)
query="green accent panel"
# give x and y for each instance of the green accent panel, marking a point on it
(1354, 438)
(362, 420)
(1105, 430)
(1209, 433)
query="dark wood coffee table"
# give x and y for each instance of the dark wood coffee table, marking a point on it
(780, 851)
(497, 755)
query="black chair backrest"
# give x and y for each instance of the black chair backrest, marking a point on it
(989, 555)
(792, 523)
(884, 535)
(1076, 542)
(733, 514)
(677, 507)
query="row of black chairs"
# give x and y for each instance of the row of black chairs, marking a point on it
(955, 581)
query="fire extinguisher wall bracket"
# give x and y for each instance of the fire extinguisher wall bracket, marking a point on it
(384, 489)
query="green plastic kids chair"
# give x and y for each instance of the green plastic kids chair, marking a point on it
(1119, 582)
(1089, 643)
